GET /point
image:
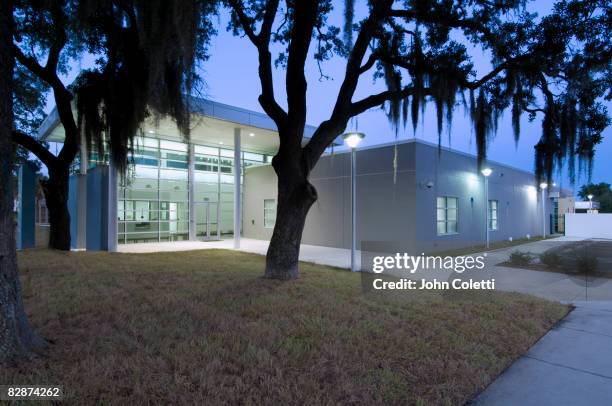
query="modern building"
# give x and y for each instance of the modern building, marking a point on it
(433, 200)
(221, 185)
(173, 190)
(589, 206)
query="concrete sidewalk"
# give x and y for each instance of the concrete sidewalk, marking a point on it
(570, 365)
(337, 257)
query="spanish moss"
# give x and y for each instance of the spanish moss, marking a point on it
(152, 47)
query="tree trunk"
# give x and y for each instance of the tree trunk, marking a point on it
(56, 197)
(295, 197)
(17, 339)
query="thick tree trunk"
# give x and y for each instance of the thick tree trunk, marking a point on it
(56, 197)
(17, 339)
(295, 197)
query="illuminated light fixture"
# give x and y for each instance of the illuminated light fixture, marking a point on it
(589, 197)
(353, 139)
(220, 142)
(151, 132)
(543, 187)
(486, 172)
(251, 134)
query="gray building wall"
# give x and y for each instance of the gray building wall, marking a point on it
(404, 210)
(456, 174)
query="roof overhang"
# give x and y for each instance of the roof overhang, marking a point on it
(213, 123)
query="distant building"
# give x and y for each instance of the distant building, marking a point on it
(587, 207)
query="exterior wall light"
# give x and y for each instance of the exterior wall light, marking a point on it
(543, 187)
(486, 172)
(353, 139)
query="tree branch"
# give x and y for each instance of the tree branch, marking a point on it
(54, 54)
(295, 81)
(31, 63)
(34, 147)
(369, 63)
(262, 43)
(63, 98)
(330, 129)
(245, 21)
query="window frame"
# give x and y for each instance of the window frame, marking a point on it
(268, 210)
(446, 220)
(490, 218)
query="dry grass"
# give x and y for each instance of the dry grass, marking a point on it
(203, 327)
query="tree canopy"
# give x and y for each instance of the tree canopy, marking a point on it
(146, 52)
(556, 67)
(149, 52)
(601, 193)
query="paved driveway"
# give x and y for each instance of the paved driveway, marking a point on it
(572, 363)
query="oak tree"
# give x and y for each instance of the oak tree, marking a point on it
(555, 68)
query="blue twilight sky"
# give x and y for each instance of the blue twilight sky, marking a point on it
(231, 77)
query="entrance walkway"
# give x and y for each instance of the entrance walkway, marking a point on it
(337, 257)
(570, 365)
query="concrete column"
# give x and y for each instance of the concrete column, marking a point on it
(81, 237)
(112, 230)
(237, 202)
(192, 214)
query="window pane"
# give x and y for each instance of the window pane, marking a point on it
(441, 214)
(441, 227)
(176, 146)
(199, 149)
(451, 202)
(269, 213)
(452, 227)
(441, 202)
(451, 214)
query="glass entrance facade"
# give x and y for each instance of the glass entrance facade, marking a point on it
(154, 195)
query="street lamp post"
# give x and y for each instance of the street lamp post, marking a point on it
(353, 140)
(590, 203)
(543, 187)
(486, 172)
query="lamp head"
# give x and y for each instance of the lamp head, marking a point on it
(543, 185)
(590, 197)
(353, 139)
(486, 171)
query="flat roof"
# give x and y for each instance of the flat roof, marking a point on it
(433, 145)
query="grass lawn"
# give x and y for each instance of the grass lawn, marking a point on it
(204, 327)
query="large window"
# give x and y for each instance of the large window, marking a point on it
(153, 197)
(493, 204)
(269, 213)
(447, 215)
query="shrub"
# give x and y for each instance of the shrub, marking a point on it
(520, 258)
(550, 259)
(586, 264)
